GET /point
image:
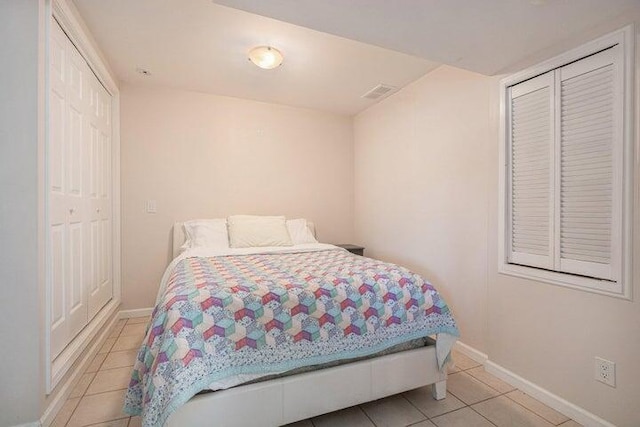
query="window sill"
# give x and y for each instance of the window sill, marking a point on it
(587, 284)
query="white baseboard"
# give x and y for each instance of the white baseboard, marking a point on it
(138, 312)
(471, 352)
(561, 405)
(556, 402)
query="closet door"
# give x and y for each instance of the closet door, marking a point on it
(67, 187)
(531, 156)
(99, 146)
(80, 209)
(590, 144)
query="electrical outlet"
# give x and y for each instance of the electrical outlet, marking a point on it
(605, 371)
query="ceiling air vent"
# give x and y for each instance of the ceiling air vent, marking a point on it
(379, 91)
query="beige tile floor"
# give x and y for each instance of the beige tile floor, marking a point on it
(474, 397)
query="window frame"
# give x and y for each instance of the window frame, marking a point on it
(622, 288)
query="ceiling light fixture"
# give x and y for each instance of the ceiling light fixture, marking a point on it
(266, 57)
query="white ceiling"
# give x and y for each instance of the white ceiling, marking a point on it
(485, 36)
(201, 46)
(335, 50)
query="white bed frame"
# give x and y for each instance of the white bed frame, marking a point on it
(286, 400)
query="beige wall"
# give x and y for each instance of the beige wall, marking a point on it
(550, 334)
(21, 375)
(422, 183)
(426, 195)
(205, 156)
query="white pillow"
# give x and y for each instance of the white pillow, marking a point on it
(299, 231)
(255, 231)
(206, 233)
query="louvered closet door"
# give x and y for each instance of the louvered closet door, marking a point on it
(67, 190)
(531, 155)
(590, 102)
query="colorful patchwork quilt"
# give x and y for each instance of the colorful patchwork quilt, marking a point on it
(266, 313)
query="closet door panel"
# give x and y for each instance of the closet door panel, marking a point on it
(531, 137)
(67, 206)
(57, 112)
(56, 153)
(94, 184)
(590, 216)
(59, 332)
(106, 284)
(100, 124)
(57, 156)
(79, 74)
(75, 280)
(74, 166)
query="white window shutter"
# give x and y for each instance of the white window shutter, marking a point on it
(530, 159)
(587, 223)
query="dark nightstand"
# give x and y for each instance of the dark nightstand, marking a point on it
(354, 249)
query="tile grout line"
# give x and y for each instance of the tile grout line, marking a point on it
(411, 403)
(85, 392)
(418, 422)
(79, 399)
(418, 409)
(117, 367)
(469, 405)
(72, 412)
(535, 413)
(367, 415)
(488, 420)
(505, 394)
(480, 401)
(103, 392)
(106, 422)
(500, 393)
(449, 392)
(478, 379)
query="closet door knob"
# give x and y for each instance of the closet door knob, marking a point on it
(71, 211)
(98, 210)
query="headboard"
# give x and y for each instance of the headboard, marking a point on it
(179, 237)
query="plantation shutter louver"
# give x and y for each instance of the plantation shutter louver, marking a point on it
(567, 164)
(531, 178)
(588, 192)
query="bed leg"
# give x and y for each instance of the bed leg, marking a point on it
(439, 390)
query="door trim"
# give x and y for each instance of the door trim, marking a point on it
(71, 23)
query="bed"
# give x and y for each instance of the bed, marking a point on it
(232, 325)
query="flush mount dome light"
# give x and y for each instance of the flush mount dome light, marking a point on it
(266, 57)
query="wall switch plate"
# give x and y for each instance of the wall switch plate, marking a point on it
(605, 371)
(151, 206)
